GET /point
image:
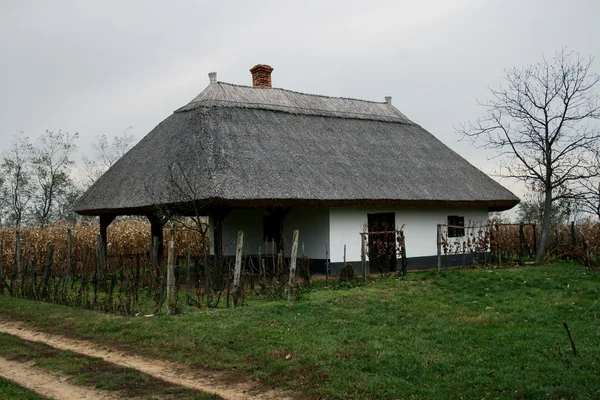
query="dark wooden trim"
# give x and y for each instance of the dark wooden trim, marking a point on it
(218, 214)
(105, 221)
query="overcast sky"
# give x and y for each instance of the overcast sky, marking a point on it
(97, 67)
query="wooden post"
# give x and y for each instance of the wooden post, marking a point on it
(260, 274)
(573, 235)
(535, 241)
(326, 264)
(171, 276)
(238, 267)
(188, 276)
(101, 253)
(439, 247)
(403, 253)
(18, 254)
(105, 221)
(69, 267)
(521, 242)
(156, 231)
(596, 323)
(1, 270)
(344, 255)
(47, 272)
(570, 338)
(292, 280)
(274, 253)
(498, 244)
(363, 257)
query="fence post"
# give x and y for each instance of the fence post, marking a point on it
(238, 267)
(498, 244)
(363, 256)
(18, 254)
(403, 252)
(171, 276)
(439, 247)
(68, 254)
(188, 276)
(535, 241)
(292, 280)
(573, 235)
(521, 241)
(1, 271)
(326, 264)
(47, 272)
(101, 254)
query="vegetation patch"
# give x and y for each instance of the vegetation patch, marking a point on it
(10, 390)
(476, 333)
(90, 371)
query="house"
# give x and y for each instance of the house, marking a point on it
(267, 160)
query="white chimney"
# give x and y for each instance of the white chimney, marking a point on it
(213, 77)
(388, 99)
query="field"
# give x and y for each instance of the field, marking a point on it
(476, 333)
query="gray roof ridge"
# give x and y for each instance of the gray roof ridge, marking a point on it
(302, 93)
(209, 98)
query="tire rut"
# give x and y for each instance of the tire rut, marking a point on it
(206, 381)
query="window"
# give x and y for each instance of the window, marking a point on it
(456, 226)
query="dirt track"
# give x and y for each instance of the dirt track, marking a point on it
(48, 384)
(205, 381)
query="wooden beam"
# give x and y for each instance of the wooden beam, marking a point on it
(105, 221)
(217, 214)
(156, 231)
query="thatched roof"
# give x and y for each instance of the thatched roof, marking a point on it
(249, 146)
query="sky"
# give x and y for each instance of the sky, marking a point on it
(99, 67)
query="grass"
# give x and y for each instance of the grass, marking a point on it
(483, 333)
(10, 390)
(94, 372)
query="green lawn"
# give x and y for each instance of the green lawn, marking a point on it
(12, 391)
(486, 333)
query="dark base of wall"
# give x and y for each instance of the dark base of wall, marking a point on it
(414, 263)
(317, 266)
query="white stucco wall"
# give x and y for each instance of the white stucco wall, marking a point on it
(312, 222)
(313, 226)
(420, 224)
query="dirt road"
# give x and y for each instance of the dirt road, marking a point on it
(206, 381)
(47, 384)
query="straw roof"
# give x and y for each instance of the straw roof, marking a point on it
(245, 146)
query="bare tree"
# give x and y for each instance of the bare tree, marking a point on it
(181, 207)
(588, 197)
(16, 189)
(538, 122)
(51, 162)
(106, 154)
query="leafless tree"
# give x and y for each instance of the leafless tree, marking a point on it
(182, 208)
(16, 188)
(106, 153)
(539, 122)
(588, 197)
(51, 162)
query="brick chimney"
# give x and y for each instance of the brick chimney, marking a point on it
(261, 75)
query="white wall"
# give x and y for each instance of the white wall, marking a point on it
(420, 224)
(312, 222)
(313, 226)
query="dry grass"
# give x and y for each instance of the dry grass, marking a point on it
(125, 236)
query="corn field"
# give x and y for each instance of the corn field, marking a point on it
(66, 264)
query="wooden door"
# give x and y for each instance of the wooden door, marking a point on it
(382, 242)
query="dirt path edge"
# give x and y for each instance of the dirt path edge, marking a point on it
(206, 381)
(48, 384)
